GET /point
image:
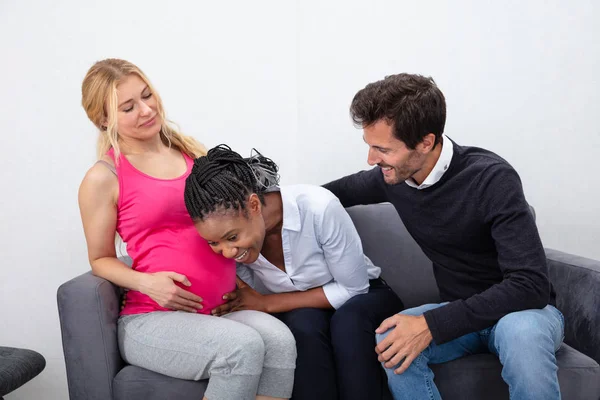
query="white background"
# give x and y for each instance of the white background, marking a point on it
(520, 79)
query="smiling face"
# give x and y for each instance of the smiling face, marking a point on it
(137, 111)
(236, 234)
(398, 163)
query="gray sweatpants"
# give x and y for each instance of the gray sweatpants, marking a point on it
(243, 354)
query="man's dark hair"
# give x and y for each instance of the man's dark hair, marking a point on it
(412, 104)
(224, 179)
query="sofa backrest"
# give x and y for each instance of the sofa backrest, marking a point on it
(576, 281)
(389, 245)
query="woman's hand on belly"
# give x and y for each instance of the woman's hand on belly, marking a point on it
(161, 287)
(243, 298)
(246, 298)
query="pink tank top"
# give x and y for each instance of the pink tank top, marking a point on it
(160, 235)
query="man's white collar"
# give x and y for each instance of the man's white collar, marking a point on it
(441, 166)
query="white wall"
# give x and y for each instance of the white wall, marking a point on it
(226, 71)
(279, 75)
(520, 79)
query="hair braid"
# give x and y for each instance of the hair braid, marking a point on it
(224, 179)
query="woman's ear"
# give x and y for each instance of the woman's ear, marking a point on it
(254, 204)
(104, 123)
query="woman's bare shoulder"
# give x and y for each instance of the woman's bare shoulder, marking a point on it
(100, 180)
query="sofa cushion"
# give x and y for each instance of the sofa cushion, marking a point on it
(139, 383)
(479, 377)
(471, 377)
(388, 244)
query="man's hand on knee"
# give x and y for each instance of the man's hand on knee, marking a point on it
(408, 338)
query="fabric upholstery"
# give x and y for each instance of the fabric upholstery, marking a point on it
(139, 383)
(577, 284)
(88, 308)
(17, 367)
(387, 243)
(478, 377)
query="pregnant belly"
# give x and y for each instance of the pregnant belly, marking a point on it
(208, 283)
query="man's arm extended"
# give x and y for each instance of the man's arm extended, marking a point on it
(365, 187)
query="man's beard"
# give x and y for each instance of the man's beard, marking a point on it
(397, 175)
(410, 167)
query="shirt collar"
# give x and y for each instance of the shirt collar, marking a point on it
(291, 211)
(440, 167)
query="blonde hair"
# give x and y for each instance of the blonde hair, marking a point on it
(99, 100)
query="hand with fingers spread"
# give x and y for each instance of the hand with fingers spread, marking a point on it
(409, 336)
(161, 287)
(243, 298)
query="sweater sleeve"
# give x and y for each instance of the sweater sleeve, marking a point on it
(365, 187)
(521, 258)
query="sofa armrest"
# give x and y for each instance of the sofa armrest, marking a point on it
(577, 284)
(88, 307)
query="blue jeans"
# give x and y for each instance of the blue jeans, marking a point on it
(525, 342)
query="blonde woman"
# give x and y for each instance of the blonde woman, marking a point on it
(136, 190)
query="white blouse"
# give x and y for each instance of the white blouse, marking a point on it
(321, 247)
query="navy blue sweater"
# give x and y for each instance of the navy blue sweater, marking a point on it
(477, 229)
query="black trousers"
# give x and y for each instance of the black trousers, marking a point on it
(336, 348)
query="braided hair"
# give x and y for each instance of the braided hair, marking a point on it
(224, 179)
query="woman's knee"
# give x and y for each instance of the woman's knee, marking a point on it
(350, 321)
(243, 353)
(249, 342)
(280, 343)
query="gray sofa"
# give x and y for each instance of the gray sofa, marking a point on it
(89, 306)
